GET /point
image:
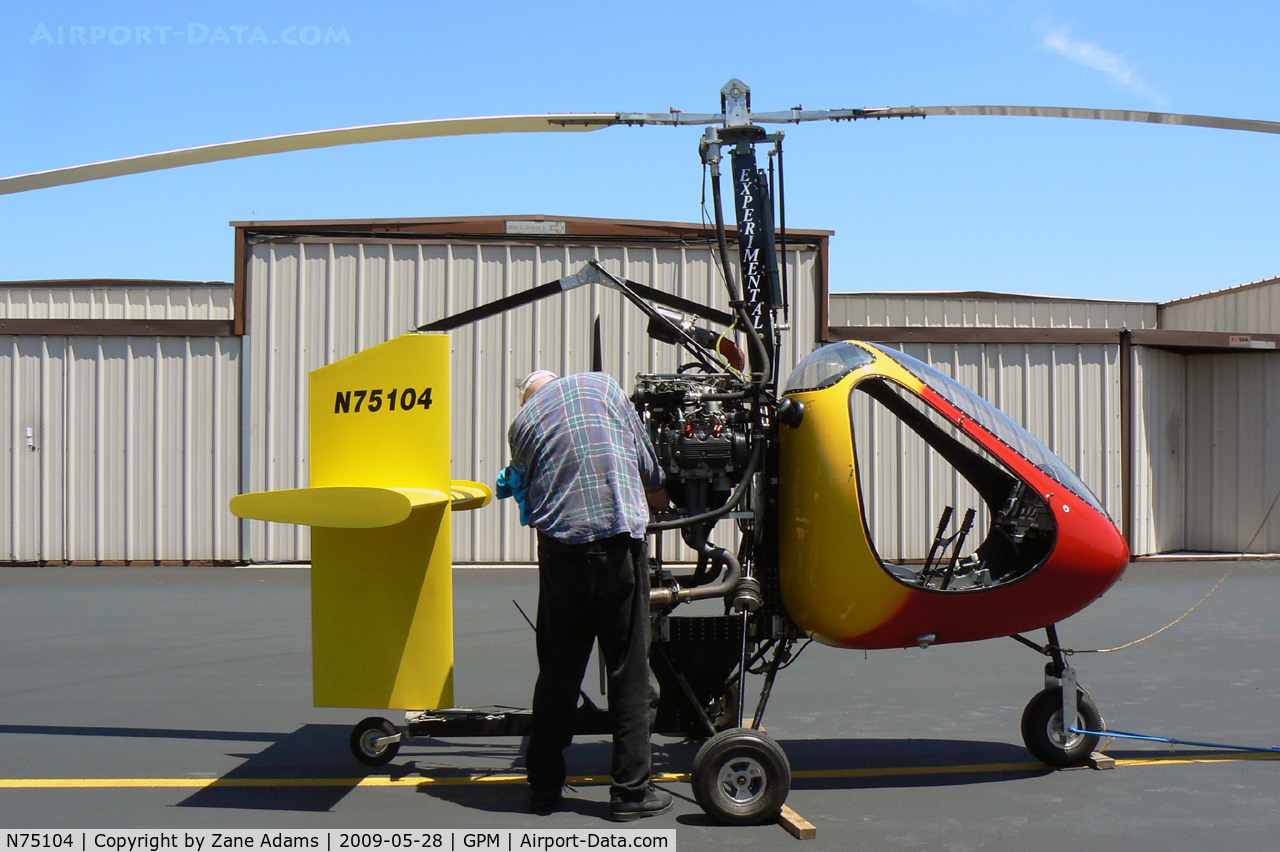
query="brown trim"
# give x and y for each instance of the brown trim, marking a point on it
(822, 332)
(575, 226)
(973, 334)
(118, 327)
(1176, 340)
(1213, 294)
(62, 283)
(983, 296)
(240, 303)
(1126, 438)
(1201, 340)
(557, 241)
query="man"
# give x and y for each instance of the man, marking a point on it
(590, 476)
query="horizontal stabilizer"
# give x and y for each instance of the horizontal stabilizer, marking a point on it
(354, 507)
(469, 495)
(336, 507)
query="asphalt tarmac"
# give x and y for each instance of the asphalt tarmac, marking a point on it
(180, 698)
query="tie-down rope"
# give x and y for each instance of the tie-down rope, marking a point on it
(1261, 526)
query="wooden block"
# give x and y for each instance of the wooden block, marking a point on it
(1098, 760)
(796, 825)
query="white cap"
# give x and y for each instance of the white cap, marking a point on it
(530, 379)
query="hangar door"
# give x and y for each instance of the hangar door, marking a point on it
(118, 448)
(1233, 451)
(1207, 451)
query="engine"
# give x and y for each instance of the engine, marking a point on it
(700, 427)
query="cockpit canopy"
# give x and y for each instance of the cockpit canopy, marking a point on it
(941, 510)
(829, 364)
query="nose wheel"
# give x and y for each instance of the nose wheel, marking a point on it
(1054, 743)
(1053, 722)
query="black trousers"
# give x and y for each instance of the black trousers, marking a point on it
(598, 590)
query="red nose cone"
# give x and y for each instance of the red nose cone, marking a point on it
(1090, 554)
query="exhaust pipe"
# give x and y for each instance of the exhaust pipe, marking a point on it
(668, 597)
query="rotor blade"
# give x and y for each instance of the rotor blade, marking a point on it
(1213, 121)
(555, 122)
(796, 116)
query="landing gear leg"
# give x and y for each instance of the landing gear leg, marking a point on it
(741, 776)
(1052, 721)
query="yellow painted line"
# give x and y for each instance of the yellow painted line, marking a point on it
(369, 781)
(894, 771)
(582, 780)
(1225, 757)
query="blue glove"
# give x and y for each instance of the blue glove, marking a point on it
(511, 484)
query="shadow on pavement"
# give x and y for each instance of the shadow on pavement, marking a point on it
(869, 763)
(160, 733)
(312, 769)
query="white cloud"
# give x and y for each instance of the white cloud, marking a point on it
(1098, 58)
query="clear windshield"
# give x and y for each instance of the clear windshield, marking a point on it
(1001, 425)
(824, 367)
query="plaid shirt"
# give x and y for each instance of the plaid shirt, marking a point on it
(586, 458)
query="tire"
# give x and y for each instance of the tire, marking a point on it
(1043, 731)
(363, 741)
(741, 777)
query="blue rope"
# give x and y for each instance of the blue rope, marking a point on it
(1172, 741)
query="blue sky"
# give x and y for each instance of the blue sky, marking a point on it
(1080, 208)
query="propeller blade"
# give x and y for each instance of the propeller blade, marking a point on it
(597, 348)
(306, 141)
(570, 282)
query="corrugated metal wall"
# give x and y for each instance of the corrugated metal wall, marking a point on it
(1250, 309)
(1160, 498)
(1233, 451)
(1068, 396)
(167, 301)
(316, 301)
(957, 309)
(133, 452)
(138, 442)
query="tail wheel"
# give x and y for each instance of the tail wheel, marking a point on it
(1052, 742)
(741, 777)
(365, 745)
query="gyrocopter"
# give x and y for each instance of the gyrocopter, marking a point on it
(767, 474)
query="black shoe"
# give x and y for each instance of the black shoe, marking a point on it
(544, 801)
(655, 802)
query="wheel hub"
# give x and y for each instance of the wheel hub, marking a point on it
(1058, 734)
(369, 742)
(742, 779)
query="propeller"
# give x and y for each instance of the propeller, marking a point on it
(735, 102)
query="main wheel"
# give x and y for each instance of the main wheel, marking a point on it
(364, 741)
(741, 777)
(1049, 740)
